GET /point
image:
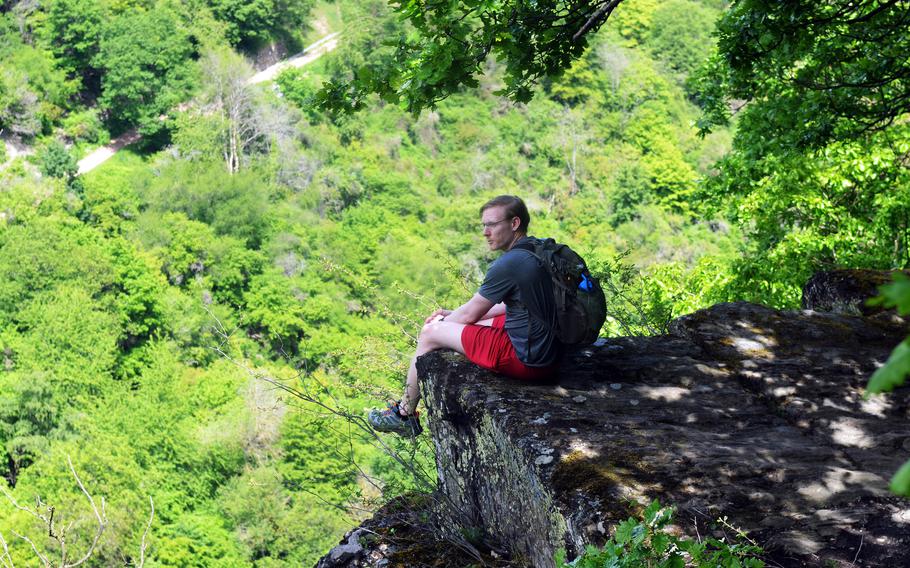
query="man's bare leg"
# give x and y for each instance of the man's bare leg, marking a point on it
(434, 335)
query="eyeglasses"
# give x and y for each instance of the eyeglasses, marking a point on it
(492, 224)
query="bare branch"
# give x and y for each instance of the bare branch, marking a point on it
(59, 534)
(40, 556)
(862, 538)
(14, 503)
(148, 527)
(35, 514)
(101, 516)
(6, 561)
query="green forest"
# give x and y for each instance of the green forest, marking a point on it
(191, 330)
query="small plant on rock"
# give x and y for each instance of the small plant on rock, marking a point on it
(894, 372)
(645, 542)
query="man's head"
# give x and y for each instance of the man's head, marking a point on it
(505, 220)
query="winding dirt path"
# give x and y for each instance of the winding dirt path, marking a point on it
(309, 54)
(103, 154)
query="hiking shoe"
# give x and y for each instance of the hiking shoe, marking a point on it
(390, 420)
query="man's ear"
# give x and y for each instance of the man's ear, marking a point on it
(516, 222)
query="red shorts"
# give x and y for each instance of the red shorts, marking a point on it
(491, 348)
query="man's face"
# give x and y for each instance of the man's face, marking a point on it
(497, 227)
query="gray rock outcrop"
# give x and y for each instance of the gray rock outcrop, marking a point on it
(845, 291)
(741, 411)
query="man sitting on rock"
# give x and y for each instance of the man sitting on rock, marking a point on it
(507, 326)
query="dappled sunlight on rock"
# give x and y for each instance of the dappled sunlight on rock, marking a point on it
(837, 481)
(847, 433)
(750, 347)
(902, 516)
(876, 406)
(582, 448)
(800, 542)
(741, 410)
(828, 403)
(781, 392)
(667, 394)
(711, 371)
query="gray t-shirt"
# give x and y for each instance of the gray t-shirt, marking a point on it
(518, 279)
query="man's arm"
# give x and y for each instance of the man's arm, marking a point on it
(497, 310)
(472, 311)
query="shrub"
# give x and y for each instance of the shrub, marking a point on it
(646, 542)
(85, 126)
(58, 162)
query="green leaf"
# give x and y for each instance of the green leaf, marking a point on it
(900, 483)
(660, 542)
(894, 294)
(624, 531)
(894, 371)
(651, 512)
(694, 548)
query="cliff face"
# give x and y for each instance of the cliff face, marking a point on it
(741, 411)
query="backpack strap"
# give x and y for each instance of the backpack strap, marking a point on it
(528, 246)
(524, 246)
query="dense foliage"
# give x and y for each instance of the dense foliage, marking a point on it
(308, 252)
(821, 71)
(153, 311)
(65, 61)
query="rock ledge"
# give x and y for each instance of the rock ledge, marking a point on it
(741, 411)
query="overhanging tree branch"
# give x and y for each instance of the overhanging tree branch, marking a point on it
(597, 18)
(451, 40)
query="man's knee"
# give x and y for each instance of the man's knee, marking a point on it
(428, 333)
(439, 334)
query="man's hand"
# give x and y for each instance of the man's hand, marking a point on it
(440, 313)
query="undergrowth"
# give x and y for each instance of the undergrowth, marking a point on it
(646, 543)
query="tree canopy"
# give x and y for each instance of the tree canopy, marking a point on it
(835, 67)
(818, 167)
(308, 246)
(451, 42)
(817, 71)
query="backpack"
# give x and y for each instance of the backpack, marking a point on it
(580, 304)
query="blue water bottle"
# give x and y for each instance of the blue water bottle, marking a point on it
(585, 283)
